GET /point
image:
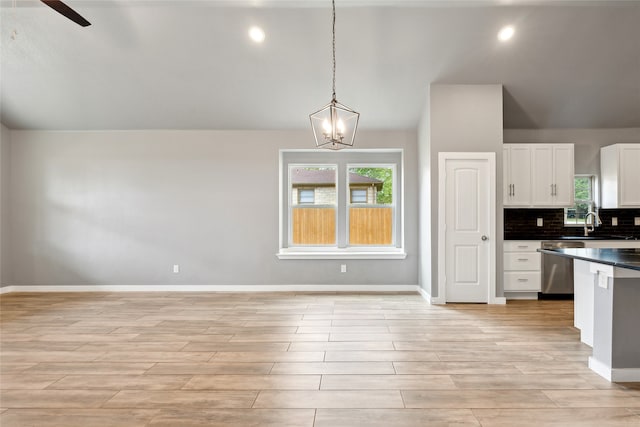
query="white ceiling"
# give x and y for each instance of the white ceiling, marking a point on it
(153, 64)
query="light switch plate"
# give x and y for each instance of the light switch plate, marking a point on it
(614, 221)
(539, 222)
(636, 220)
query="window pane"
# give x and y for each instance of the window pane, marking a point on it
(371, 210)
(306, 196)
(583, 186)
(314, 226)
(377, 181)
(358, 195)
(313, 210)
(370, 226)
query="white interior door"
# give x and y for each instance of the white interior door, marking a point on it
(468, 193)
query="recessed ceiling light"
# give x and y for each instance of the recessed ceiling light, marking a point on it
(506, 33)
(256, 34)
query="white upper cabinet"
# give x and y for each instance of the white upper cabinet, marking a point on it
(553, 175)
(542, 181)
(538, 175)
(564, 175)
(620, 174)
(517, 175)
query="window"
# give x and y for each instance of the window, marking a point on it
(358, 195)
(306, 196)
(584, 186)
(313, 220)
(371, 216)
(341, 205)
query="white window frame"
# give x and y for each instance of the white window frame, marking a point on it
(594, 198)
(344, 160)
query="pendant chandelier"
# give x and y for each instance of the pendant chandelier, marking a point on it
(334, 125)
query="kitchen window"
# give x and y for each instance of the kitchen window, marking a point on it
(341, 205)
(584, 200)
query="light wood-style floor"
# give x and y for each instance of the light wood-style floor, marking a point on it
(214, 359)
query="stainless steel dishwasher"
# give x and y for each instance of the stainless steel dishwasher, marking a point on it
(557, 271)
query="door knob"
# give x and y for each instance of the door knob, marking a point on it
(484, 238)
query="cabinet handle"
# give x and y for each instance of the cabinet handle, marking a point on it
(523, 280)
(523, 259)
(522, 246)
(555, 189)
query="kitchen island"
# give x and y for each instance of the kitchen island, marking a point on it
(607, 308)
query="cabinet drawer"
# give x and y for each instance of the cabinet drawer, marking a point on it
(514, 261)
(521, 245)
(524, 281)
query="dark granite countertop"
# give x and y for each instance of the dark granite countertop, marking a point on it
(618, 257)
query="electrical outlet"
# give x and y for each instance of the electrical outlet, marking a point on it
(343, 268)
(614, 221)
(636, 220)
(603, 280)
(539, 222)
(176, 268)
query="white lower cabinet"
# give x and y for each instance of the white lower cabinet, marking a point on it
(521, 266)
(522, 281)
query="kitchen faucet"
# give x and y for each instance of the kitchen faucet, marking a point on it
(595, 221)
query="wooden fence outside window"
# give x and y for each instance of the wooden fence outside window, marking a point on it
(367, 226)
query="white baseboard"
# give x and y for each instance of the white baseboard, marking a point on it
(624, 375)
(424, 294)
(212, 288)
(498, 300)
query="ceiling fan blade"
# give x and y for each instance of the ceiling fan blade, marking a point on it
(65, 10)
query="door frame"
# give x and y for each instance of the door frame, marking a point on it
(442, 159)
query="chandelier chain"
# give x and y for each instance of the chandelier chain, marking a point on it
(333, 32)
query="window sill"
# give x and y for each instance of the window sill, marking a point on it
(390, 254)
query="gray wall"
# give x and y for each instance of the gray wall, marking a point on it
(587, 142)
(5, 150)
(120, 208)
(462, 118)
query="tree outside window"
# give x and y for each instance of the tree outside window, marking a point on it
(584, 200)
